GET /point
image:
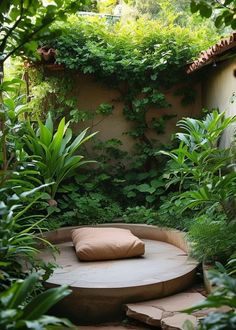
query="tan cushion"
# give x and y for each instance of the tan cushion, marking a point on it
(106, 243)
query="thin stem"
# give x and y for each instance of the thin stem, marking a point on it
(224, 6)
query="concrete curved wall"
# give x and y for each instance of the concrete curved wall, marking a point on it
(98, 304)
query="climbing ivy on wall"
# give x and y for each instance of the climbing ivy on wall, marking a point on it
(142, 59)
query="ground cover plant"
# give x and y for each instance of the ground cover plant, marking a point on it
(206, 182)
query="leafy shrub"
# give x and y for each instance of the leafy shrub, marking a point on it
(140, 214)
(53, 152)
(93, 208)
(18, 240)
(224, 294)
(206, 186)
(18, 310)
(89, 208)
(198, 167)
(12, 128)
(212, 238)
(93, 46)
(144, 187)
(170, 212)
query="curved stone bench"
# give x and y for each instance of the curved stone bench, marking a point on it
(101, 288)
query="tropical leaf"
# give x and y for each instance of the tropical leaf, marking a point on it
(54, 154)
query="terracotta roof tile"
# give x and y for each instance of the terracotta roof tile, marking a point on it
(208, 56)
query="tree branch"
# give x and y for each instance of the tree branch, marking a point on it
(27, 39)
(224, 6)
(3, 44)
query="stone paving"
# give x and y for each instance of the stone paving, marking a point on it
(165, 313)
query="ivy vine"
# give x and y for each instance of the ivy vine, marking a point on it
(141, 59)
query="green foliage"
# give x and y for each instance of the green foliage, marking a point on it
(203, 175)
(18, 311)
(128, 51)
(170, 214)
(17, 30)
(147, 55)
(18, 227)
(231, 265)
(51, 94)
(139, 59)
(222, 12)
(18, 35)
(140, 214)
(224, 294)
(54, 152)
(144, 186)
(211, 237)
(201, 165)
(76, 208)
(12, 109)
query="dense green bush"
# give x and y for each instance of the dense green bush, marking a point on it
(18, 228)
(146, 50)
(212, 238)
(222, 295)
(141, 59)
(140, 214)
(206, 184)
(19, 310)
(54, 151)
(75, 208)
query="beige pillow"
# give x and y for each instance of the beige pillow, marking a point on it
(106, 243)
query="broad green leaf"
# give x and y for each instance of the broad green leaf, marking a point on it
(23, 291)
(49, 123)
(43, 302)
(194, 7)
(205, 10)
(45, 134)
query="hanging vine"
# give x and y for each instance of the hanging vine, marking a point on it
(141, 59)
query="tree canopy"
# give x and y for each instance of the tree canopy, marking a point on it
(223, 12)
(23, 21)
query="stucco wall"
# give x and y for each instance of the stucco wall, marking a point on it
(218, 89)
(92, 93)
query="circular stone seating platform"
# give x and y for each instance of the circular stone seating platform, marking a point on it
(100, 288)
